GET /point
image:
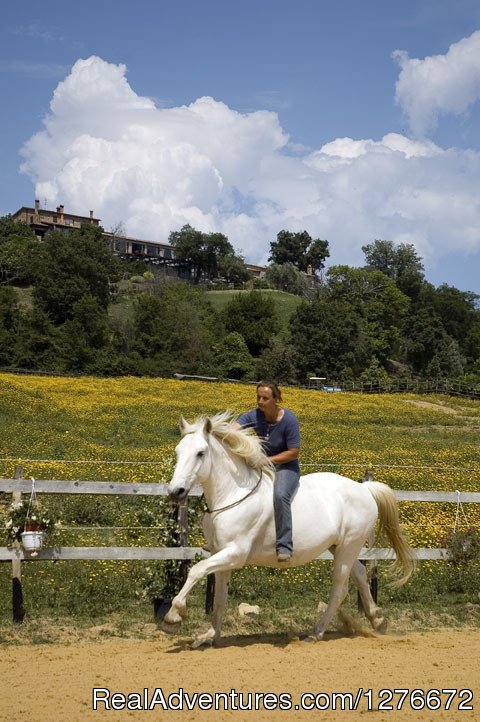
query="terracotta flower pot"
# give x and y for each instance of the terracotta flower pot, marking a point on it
(32, 526)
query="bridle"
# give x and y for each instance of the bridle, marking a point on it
(239, 501)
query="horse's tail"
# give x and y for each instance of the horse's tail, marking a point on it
(404, 564)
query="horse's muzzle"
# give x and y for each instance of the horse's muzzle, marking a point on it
(178, 494)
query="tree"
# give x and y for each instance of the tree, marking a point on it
(253, 316)
(174, 331)
(457, 309)
(329, 338)
(217, 246)
(374, 297)
(447, 360)
(423, 333)
(71, 266)
(18, 249)
(233, 357)
(201, 251)
(37, 344)
(286, 277)
(9, 318)
(277, 361)
(300, 250)
(233, 269)
(84, 335)
(399, 262)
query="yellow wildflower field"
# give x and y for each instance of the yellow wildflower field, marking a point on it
(126, 429)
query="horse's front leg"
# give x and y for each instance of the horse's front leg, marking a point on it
(229, 558)
(212, 635)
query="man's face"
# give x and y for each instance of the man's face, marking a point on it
(265, 400)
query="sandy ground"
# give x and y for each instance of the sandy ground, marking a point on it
(55, 682)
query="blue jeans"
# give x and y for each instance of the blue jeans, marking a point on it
(284, 488)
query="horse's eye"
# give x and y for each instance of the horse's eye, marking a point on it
(200, 454)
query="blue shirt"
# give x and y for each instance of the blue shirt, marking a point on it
(279, 436)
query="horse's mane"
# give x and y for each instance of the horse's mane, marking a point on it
(241, 442)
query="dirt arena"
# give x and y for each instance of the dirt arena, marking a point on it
(55, 681)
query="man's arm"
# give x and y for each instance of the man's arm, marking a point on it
(285, 456)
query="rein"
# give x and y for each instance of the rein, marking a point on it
(235, 503)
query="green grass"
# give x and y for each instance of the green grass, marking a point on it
(285, 303)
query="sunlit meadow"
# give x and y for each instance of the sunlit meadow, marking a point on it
(126, 430)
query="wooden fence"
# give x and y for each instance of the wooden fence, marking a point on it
(183, 553)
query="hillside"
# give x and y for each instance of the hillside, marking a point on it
(285, 303)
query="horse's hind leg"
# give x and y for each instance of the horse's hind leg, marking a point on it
(212, 636)
(342, 564)
(372, 612)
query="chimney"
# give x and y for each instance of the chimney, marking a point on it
(91, 215)
(37, 205)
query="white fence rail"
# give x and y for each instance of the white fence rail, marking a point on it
(182, 553)
(23, 486)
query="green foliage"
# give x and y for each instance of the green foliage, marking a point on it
(9, 320)
(329, 336)
(277, 361)
(463, 545)
(233, 357)
(253, 316)
(71, 266)
(423, 335)
(374, 297)
(202, 251)
(286, 277)
(84, 335)
(375, 372)
(18, 249)
(447, 361)
(399, 262)
(300, 250)
(38, 343)
(233, 269)
(23, 516)
(76, 316)
(174, 331)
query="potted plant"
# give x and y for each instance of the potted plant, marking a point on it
(463, 545)
(28, 522)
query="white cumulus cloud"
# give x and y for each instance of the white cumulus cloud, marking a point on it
(439, 84)
(107, 149)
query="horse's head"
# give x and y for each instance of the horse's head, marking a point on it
(193, 458)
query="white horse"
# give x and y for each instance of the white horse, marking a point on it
(329, 511)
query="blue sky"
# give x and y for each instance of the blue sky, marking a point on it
(353, 120)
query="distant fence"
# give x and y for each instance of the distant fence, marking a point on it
(379, 386)
(451, 388)
(392, 386)
(183, 553)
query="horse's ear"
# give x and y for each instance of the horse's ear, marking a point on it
(207, 427)
(183, 426)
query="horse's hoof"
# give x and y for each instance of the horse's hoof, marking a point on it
(170, 627)
(204, 641)
(380, 625)
(173, 617)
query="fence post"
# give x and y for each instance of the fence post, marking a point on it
(183, 537)
(18, 610)
(210, 593)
